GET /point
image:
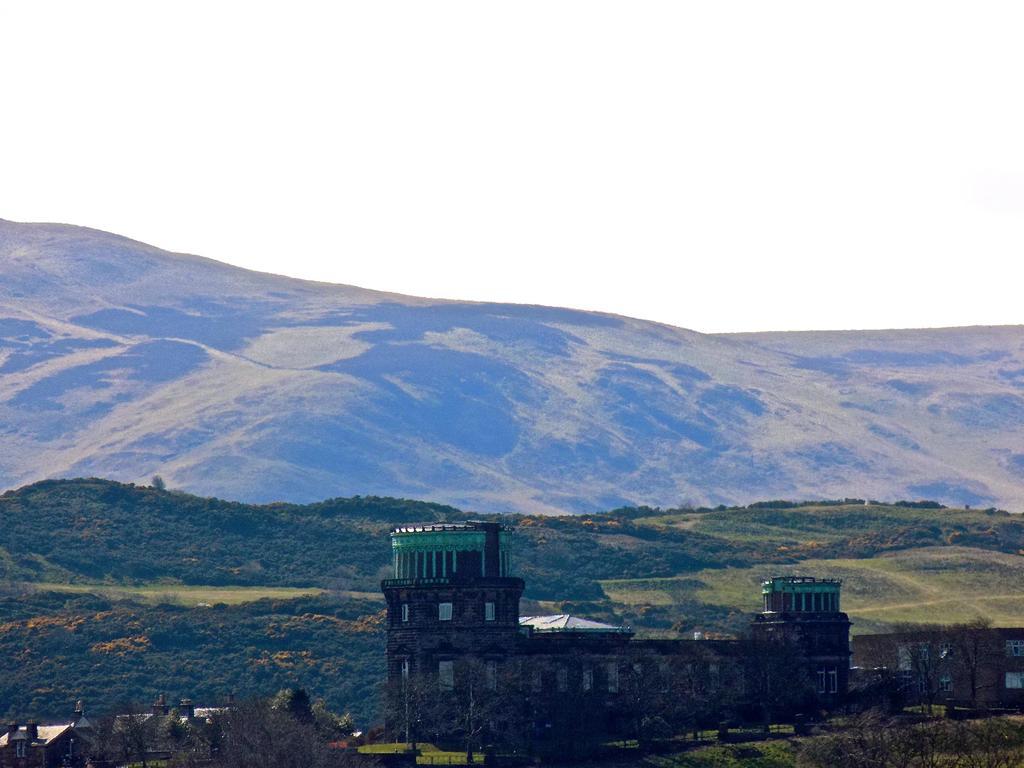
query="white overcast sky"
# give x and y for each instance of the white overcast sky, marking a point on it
(714, 165)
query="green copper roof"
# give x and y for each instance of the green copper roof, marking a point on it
(798, 584)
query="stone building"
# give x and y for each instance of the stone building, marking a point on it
(806, 612)
(971, 665)
(453, 613)
(31, 745)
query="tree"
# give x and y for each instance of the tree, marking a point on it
(696, 695)
(256, 734)
(105, 740)
(971, 649)
(294, 701)
(645, 687)
(926, 656)
(135, 734)
(330, 725)
(158, 483)
(405, 702)
(775, 675)
(482, 708)
(873, 741)
(992, 743)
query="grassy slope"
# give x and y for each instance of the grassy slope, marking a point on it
(179, 594)
(898, 564)
(927, 584)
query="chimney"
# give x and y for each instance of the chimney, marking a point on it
(33, 731)
(79, 711)
(492, 549)
(160, 705)
(187, 708)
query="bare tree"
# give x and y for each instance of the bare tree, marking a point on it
(701, 689)
(481, 709)
(971, 648)
(135, 733)
(409, 704)
(992, 743)
(255, 734)
(645, 691)
(918, 657)
(776, 676)
(873, 741)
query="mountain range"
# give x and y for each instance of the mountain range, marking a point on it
(120, 360)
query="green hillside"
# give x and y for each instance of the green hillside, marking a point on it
(113, 653)
(116, 591)
(927, 584)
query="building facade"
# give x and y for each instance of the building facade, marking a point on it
(451, 597)
(453, 620)
(806, 612)
(970, 665)
(31, 745)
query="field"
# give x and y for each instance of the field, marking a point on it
(927, 584)
(187, 595)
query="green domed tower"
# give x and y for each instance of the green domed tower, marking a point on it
(451, 596)
(806, 612)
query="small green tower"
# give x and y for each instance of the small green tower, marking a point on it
(806, 611)
(452, 596)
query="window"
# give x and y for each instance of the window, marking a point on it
(833, 681)
(588, 678)
(613, 677)
(821, 681)
(19, 749)
(405, 611)
(405, 669)
(446, 675)
(945, 650)
(535, 681)
(903, 661)
(488, 611)
(1015, 647)
(946, 684)
(491, 675)
(712, 673)
(444, 611)
(1015, 679)
(563, 679)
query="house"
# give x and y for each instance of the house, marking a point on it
(32, 745)
(164, 730)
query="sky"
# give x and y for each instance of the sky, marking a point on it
(720, 166)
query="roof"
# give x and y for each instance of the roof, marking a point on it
(563, 622)
(470, 525)
(46, 733)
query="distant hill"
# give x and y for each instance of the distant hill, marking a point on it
(102, 533)
(112, 592)
(121, 360)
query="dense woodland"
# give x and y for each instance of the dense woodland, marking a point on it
(110, 649)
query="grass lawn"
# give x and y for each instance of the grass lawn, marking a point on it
(429, 754)
(178, 594)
